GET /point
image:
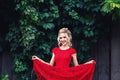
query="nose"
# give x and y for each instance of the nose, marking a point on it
(62, 38)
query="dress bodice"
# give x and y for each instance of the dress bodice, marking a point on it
(63, 57)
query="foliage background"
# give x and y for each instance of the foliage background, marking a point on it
(33, 27)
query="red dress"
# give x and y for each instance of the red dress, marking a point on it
(62, 69)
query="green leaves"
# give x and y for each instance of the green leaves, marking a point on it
(20, 66)
(88, 33)
(5, 77)
(74, 15)
(40, 1)
(84, 45)
(48, 26)
(112, 7)
(28, 36)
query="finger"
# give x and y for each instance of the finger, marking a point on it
(33, 56)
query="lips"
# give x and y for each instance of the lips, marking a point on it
(63, 42)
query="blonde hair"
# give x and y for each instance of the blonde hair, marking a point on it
(65, 30)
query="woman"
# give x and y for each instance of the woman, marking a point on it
(59, 66)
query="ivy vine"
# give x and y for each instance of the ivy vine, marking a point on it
(38, 21)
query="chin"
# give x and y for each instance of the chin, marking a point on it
(64, 44)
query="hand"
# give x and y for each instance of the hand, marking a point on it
(91, 61)
(35, 57)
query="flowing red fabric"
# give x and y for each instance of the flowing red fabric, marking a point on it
(62, 71)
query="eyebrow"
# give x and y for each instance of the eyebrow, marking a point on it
(63, 37)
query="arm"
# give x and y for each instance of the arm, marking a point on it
(75, 61)
(52, 60)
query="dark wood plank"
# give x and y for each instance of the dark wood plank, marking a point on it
(7, 64)
(101, 55)
(115, 52)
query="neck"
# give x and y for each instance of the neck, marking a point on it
(64, 47)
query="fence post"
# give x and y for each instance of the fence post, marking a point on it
(115, 52)
(6, 66)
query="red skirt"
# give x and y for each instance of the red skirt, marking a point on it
(47, 72)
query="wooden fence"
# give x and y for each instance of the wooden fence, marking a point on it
(106, 53)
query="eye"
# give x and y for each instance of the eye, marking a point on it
(60, 37)
(64, 37)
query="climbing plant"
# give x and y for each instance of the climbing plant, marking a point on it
(35, 30)
(111, 7)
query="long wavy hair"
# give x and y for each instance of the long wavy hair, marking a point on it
(65, 30)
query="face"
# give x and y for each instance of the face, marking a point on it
(63, 39)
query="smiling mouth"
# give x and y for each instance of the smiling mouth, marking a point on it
(63, 42)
